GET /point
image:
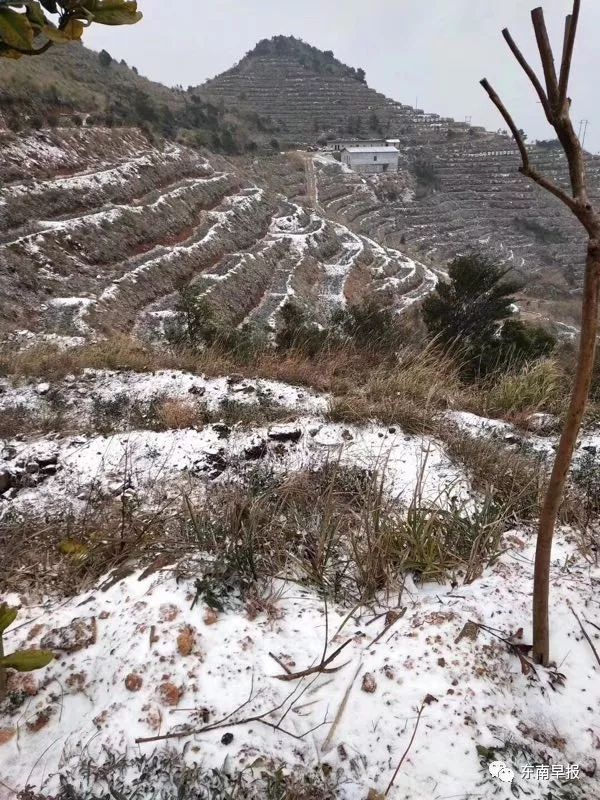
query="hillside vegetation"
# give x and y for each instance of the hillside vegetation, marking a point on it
(73, 83)
(458, 188)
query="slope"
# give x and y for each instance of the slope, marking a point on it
(458, 187)
(74, 83)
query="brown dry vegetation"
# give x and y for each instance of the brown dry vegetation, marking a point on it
(332, 528)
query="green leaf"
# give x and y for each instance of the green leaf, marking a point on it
(35, 14)
(7, 616)
(15, 29)
(70, 547)
(73, 30)
(55, 35)
(27, 660)
(113, 12)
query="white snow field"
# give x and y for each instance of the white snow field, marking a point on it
(135, 678)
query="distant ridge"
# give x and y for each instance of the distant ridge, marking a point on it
(307, 93)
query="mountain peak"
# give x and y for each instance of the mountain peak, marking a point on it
(291, 48)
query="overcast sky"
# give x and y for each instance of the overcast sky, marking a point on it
(428, 51)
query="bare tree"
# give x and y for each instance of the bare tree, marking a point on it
(557, 104)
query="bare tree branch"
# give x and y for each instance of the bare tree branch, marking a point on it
(527, 169)
(517, 136)
(547, 56)
(529, 71)
(567, 58)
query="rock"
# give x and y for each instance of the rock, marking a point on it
(6, 734)
(255, 451)
(186, 640)
(235, 378)
(169, 694)
(79, 634)
(222, 429)
(346, 435)
(40, 720)
(32, 467)
(216, 463)
(245, 389)
(211, 616)
(199, 391)
(6, 480)
(227, 738)
(441, 662)
(285, 433)
(369, 684)
(133, 682)
(589, 448)
(540, 422)
(47, 460)
(42, 388)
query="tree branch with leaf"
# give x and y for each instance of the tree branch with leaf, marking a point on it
(31, 27)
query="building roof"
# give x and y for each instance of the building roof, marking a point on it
(371, 150)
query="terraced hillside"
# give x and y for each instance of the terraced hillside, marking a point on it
(103, 243)
(458, 187)
(479, 202)
(308, 93)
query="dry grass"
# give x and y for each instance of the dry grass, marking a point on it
(330, 369)
(178, 414)
(515, 479)
(333, 528)
(409, 394)
(542, 386)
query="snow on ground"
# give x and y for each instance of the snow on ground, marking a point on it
(167, 463)
(482, 427)
(138, 387)
(146, 660)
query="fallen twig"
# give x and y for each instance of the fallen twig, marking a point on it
(394, 620)
(586, 634)
(322, 667)
(405, 753)
(520, 650)
(326, 746)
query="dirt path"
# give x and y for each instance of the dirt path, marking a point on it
(311, 182)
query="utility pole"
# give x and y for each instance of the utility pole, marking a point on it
(585, 123)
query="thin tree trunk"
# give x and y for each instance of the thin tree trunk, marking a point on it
(562, 462)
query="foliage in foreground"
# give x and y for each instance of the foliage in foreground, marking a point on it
(20, 660)
(166, 774)
(24, 24)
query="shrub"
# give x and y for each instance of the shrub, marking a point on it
(298, 332)
(370, 326)
(473, 309)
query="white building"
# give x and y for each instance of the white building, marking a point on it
(342, 144)
(371, 159)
